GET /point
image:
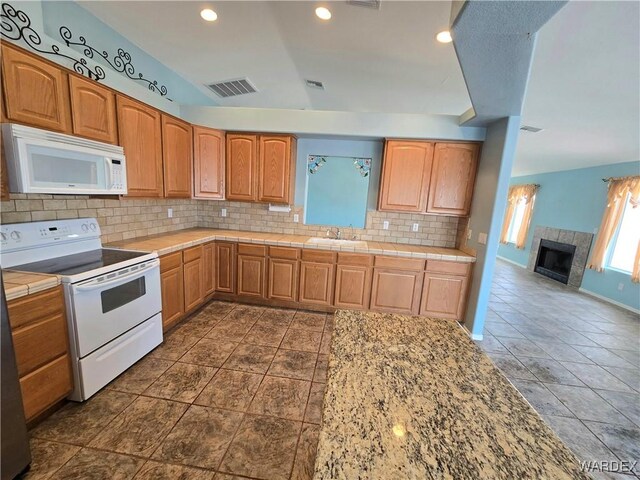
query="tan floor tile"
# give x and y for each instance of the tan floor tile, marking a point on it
(245, 314)
(163, 471)
(232, 329)
(322, 367)
(304, 340)
(265, 334)
(278, 317)
(195, 326)
(230, 389)
(183, 382)
(304, 464)
(141, 427)
(251, 358)
(309, 321)
(200, 438)
(47, 457)
(325, 346)
(138, 377)
(281, 397)
(313, 413)
(174, 346)
(209, 352)
(79, 423)
(218, 309)
(293, 364)
(264, 447)
(91, 464)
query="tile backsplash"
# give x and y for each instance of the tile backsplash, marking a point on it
(129, 218)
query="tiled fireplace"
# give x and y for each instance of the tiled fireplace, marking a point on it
(560, 254)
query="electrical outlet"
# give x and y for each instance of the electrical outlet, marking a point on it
(621, 286)
(170, 212)
(385, 225)
(415, 227)
(296, 218)
(223, 212)
(482, 238)
(469, 234)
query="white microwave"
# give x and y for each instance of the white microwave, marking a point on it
(40, 161)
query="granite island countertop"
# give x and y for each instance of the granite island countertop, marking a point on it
(414, 398)
(173, 241)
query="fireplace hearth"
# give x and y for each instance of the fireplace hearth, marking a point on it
(554, 260)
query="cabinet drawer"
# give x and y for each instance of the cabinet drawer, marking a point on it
(399, 263)
(454, 268)
(34, 307)
(287, 253)
(191, 254)
(40, 342)
(44, 387)
(249, 249)
(318, 256)
(170, 261)
(355, 259)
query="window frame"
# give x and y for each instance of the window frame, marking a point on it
(614, 241)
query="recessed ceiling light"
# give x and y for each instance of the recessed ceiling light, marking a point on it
(209, 15)
(444, 36)
(323, 13)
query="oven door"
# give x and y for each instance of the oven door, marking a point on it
(107, 306)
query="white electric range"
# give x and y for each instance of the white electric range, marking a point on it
(112, 296)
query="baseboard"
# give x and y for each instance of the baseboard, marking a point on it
(608, 300)
(511, 262)
(474, 336)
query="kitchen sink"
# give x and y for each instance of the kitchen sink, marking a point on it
(340, 242)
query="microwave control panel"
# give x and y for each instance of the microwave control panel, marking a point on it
(117, 176)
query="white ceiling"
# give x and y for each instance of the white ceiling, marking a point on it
(584, 90)
(383, 60)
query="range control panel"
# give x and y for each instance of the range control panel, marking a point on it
(37, 234)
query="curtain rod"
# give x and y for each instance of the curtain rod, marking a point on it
(610, 179)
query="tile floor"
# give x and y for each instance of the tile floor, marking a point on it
(576, 359)
(234, 392)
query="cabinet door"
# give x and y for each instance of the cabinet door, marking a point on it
(172, 286)
(396, 291)
(251, 276)
(452, 178)
(177, 157)
(443, 296)
(283, 279)
(208, 163)
(225, 267)
(316, 283)
(208, 259)
(405, 176)
(93, 110)
(35, 92)
(140, 134)
(241, 163)
(353, 286)
(44, 387)
(193, 284)
(275, 169)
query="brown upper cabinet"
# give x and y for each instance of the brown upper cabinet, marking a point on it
(242, 159)
(276, 168)
(93, 110)
(208, 163)
(406, 171)
(35, 92)
(140, 133)
(452, 178)
(177, 156)
(428, 177)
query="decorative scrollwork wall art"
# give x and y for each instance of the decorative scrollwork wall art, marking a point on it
(363, 165)
(16, 25)
(314, 163)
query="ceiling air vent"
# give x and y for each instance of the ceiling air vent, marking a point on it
(315, 84)
(233, 88)
(530, 129)
(374, 4)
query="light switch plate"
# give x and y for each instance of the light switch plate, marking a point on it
(170, 212)
(482, 238)
(469, 234)
(296, 217)
(223, 212)
(385, 225)
(415, 227)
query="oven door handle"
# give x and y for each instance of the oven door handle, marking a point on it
(122, 279)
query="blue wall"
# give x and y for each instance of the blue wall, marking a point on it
(575, 200)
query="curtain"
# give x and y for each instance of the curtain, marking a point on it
(517, 194)
(619, 189)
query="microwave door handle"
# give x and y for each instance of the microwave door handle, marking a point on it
(109, 173)
(95, 286)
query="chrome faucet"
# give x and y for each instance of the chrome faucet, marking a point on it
(337, 235)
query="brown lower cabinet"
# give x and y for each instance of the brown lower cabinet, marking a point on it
(172, 285)
(353, 281)
(444, 292)
(225, 267)
(209, 267)
(252, 266)
(193, 269)
(283, 267)
(39, 331)
(397, 283)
